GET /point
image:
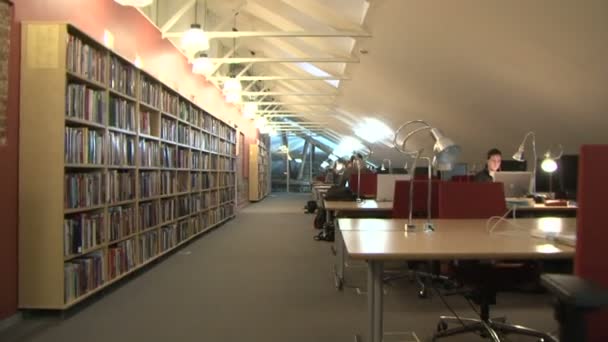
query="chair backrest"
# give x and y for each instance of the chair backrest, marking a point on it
(401, 199)
(369, 184)
(591, 231)
(471, 200)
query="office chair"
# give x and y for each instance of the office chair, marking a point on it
(422, 272)
(481, 200)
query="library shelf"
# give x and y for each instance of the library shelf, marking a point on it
(43, 268)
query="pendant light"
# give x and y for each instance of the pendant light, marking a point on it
(195, 39)
(232, 86)
(249, 109)
(135, 3)
(201, 64)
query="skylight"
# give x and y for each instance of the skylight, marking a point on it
(313, 70)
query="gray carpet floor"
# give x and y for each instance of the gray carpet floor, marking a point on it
(259, 277)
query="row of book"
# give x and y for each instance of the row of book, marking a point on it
(121, 258)
(144, 122)
(226, 195)
(122, 77)
(121, 114)
(226, 148)
(122, 222)
(148, 215)
(83, 146)
(82, 232)
(227, 164)
(149, 151)
(183, 134)
(85, 103)
(122, 149)
(169, 102)
(168, 129)
(150, 91)
(121, 186)
(148, 246)
(85, 60)
(149, 184)
(82, 275)
(83, 190)
(226, 179)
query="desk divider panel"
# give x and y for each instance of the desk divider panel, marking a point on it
(471, 200)
(592, 230)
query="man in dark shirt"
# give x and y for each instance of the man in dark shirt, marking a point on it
(492, 166)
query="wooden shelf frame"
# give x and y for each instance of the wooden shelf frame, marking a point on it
(41, 190)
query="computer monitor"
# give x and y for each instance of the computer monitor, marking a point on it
(386, 186)
(516, 184)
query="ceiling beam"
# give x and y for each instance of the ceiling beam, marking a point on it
(284, 78)
(176, 17)
(271, 93)
(239, 60)
(324, 14)
(295, 104)
(276, 34)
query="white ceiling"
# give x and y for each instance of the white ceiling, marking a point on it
(483, 71)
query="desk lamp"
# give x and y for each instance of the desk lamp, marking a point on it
(519, 156)
(549, 164)
(358, 164)
(445, 152)
(390, 168)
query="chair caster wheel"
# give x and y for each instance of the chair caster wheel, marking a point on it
(422, 294)
(442, 326)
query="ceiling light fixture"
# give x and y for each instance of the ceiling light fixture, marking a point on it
(249, 109)
(232, 87)
(195, 39)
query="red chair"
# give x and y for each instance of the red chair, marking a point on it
(369, 184)
(401, 205)
(592, 232)
(471, 200)
(481, 201)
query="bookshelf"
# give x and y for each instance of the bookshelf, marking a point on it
(116, 168)
(259, 176)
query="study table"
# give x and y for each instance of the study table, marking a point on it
(379, 240)
(346, 208)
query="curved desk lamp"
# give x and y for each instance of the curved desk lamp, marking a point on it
(519, 156)
(445, 152)
(358, 164)
(549, 164)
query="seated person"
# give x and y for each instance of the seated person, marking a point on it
(356, 162)
(492, 166)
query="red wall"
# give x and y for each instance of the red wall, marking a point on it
(8, 191)
(133, 35)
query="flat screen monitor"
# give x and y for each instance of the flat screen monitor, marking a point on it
(386, 186)
(516, 184)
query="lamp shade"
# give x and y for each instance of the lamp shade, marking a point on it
(234, 97)
(445, 150)
(135, 3)
(249, 109)
(232, 85)
(549, 165)
(519, 155)
(201, 64)
(194, 40)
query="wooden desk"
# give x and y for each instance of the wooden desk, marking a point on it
(378, 240)
(346, 208)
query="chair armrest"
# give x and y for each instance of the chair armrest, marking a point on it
(574, 291)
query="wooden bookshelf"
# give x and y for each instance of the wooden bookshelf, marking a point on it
(116, 168)
(259, 176)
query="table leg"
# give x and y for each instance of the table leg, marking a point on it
(339, 267)
(374, 300)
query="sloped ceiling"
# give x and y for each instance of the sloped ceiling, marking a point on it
(484, 72)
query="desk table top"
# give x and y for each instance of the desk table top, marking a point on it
(387, 239)
(363, 206)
